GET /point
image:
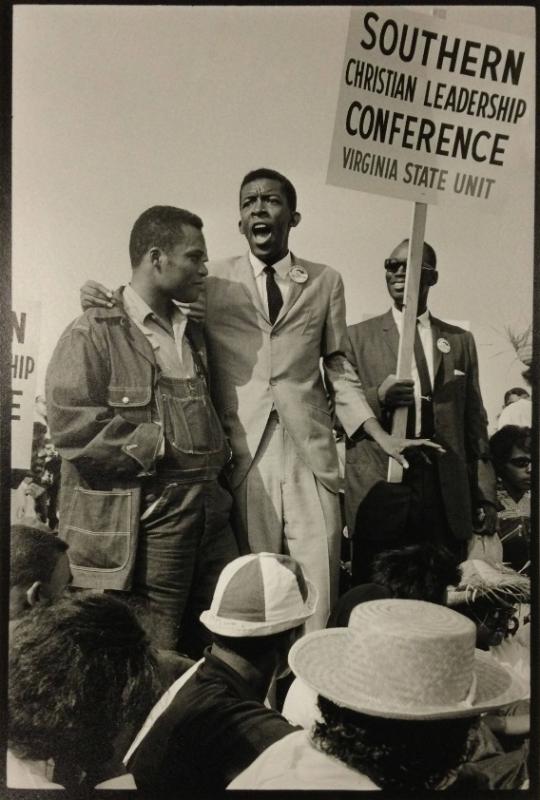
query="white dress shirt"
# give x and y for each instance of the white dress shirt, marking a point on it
(426, 338)
(282, 277)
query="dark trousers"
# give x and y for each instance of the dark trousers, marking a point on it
(185, 540)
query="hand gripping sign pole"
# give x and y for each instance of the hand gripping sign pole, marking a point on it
(406, 339)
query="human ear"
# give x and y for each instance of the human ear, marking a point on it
(295, 219)
(34, 594)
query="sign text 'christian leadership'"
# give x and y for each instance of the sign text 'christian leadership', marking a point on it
(432, 111)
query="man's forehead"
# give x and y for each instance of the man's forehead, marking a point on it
(402, 250)
(262, 186)
(192, 238)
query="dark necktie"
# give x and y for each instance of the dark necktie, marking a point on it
(426, 425)
(275, 298)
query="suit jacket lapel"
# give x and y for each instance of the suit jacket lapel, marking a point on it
(437, 355)
(295, 290)
(391, 335)
(247, 279)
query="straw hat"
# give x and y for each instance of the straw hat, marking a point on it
(260, 594)
(403, 659)
(495, 582)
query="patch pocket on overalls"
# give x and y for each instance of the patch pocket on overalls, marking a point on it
(192, 425)
(98, 529)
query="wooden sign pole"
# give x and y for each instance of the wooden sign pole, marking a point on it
(406, 340)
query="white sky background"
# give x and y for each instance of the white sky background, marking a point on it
(120, 108)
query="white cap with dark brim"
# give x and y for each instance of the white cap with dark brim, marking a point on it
(258, 595)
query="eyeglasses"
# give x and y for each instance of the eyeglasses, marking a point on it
(520, 461)
(394, 264)
(504, 620)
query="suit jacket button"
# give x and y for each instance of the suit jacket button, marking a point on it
(125, 399)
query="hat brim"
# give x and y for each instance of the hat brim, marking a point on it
(237, 628)
(318, 660)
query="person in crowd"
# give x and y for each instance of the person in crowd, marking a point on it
(82, 675)
(519, 412)
(34, 490)
(27, 503)
(513, 395)
(416, 572)
(45, 465)
(40, 573)
(270, 318)
(39, 569)
(142, 447)
(400, 693)
(213, 722)
(511, 453)
(497, 600)
(444, 402)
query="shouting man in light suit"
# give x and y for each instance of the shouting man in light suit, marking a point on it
(447, 492)
(270, 319)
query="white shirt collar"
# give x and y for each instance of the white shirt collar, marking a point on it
(282, 266)
(423, 319)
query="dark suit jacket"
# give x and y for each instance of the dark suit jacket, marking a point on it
(466, 475)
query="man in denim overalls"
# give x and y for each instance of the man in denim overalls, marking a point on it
(142, 448)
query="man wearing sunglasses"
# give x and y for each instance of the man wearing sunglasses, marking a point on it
(447, 492)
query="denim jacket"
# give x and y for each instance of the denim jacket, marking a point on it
(99, 389)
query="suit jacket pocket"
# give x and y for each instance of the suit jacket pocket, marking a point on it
(99, 529)
(451, 389)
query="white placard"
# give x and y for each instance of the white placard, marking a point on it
(433, 111)
(25, 328)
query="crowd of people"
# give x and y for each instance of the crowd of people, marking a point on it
(190, 554)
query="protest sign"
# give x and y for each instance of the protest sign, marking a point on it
(25, 322)
(432, 111)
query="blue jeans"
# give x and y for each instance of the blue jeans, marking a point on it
(185, 540)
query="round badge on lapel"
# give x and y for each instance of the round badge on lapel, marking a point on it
(298, 274)
(443, 345)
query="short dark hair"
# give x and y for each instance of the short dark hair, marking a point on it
(80, 671)
(34, 555)
(517, 390)
(159, 226)
(417, 572)
(263, 172)
(396, 754)
(504, 440)
(427, 251)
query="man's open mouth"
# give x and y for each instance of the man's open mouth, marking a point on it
(261, 231)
